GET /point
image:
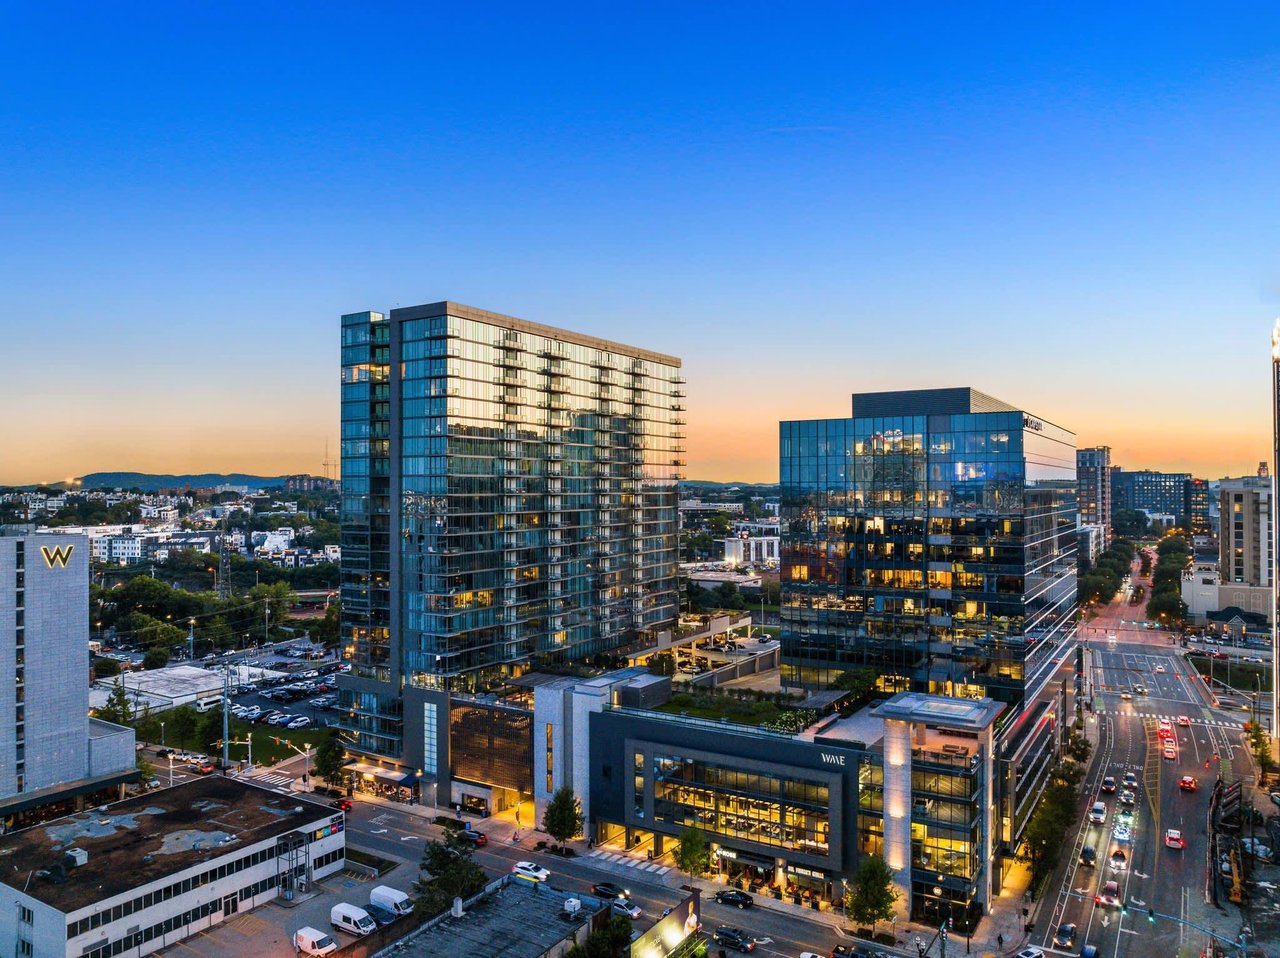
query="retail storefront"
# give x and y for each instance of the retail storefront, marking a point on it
(393, 784)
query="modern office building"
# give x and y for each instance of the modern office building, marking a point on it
(53, 757)
(931, 538)
(1093, 481)
(1159, 493)
(509, 495)
(1196, 507)
(135, 877)
(790, 815)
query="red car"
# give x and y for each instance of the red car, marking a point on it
(345, 804)
(1188, 784)
(476, 838)
(206, 769)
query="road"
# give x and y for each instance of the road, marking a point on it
(1170, 881)
(388, 830)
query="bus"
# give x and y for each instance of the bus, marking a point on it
(209, 703)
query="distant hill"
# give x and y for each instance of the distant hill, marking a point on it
(150, 483)
(763, 487)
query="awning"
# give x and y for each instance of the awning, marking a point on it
(395, 776)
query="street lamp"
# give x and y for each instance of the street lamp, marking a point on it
(162, 734)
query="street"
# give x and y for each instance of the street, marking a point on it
(1136, 680)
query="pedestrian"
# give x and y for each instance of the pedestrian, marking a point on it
(1000, 941)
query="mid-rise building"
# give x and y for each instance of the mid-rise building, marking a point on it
(1157, 493)
(509, 494)
(744, 549)
(1196, 507)
(52, 755)
(1245, 535)
(1093, 480)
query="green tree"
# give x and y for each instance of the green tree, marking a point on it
(146, 771)
(771, 591)
(328, 630)
(447, 872)
(871, 896)
(692, 855)
(118, 708)
(209, 730)
(328, 762)
(156, 657)
(105, 668)
(663, 663)
(182, 724)
(562, 819)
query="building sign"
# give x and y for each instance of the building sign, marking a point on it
(829, 759)
(1030, 423)
(726, 853)
(58, 555)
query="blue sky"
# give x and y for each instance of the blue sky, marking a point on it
(1074, 209)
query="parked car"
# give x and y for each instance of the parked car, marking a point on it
(1256, 848)
(732, 896)
(734, 938)
(531, 871)
(380, 915)
(313, 942)
(205, 768)
(300, 722)
(475, 838)
(352, 919)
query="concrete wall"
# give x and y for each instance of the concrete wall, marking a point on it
(111, 748)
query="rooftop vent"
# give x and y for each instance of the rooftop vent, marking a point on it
(76, 857)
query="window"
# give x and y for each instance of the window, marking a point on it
(26, 915)
(551, 746)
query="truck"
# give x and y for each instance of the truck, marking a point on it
(394, 901)
(313, 941)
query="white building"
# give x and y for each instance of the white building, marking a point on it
(159, 514)
(140, 875)
(751, 550)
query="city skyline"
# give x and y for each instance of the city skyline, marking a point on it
(803, 205)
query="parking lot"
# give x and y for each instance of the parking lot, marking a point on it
(267, 932)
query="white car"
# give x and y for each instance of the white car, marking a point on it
(1098, 814)
(1121, 833)
(1159, 670)
(1030, 953)
(300, 722)
(530, 871)
(626, 907)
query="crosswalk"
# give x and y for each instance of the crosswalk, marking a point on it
(627, 861)
(1216, 723)
(273, 780)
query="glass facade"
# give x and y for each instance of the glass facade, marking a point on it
(725, 802)
(509, 496)
(938, 550)
(1164, 493)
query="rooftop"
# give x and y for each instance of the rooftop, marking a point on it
(169, 683)
(143, 839)
(447, 308)
(520, 920)
(952, 401)
(972, 715)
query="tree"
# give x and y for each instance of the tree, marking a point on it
(182, 723)
(328, 762)
(146, 771)
(157, 657)
(448, 872)
(105, 668)
(563, 818)
(328, 631)
(871, 896)
(771, 591)
(663, 663)
(209, 730)
(118, 708)
(692, 856)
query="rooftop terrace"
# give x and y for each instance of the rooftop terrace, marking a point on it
(143, 839)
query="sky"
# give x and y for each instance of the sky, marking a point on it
(1074, 208)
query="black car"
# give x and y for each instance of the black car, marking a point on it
(164, 752)
(732, 896)
(734, 938)
(608, 890)
(1088, 857)
(383, 916)
(1066, 936)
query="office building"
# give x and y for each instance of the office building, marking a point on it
(1196, 507)
(53, 757)
(509, 495)
(931, 539)
(1158, 493)
(133, 878)
(790, 815)
(1093, 481)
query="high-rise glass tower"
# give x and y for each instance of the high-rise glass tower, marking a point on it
(931, 537)
(1093, 477)
(509, 495)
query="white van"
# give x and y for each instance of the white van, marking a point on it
(312, 941)
(396, 902)
(209, 704)
(351, 918)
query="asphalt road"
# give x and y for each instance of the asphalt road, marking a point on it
(1170, 881)
(390, 831)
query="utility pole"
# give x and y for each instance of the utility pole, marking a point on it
(224, 559)
(191, 640)
(226, 720)
(266, 620)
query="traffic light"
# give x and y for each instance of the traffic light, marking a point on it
(1151, 915)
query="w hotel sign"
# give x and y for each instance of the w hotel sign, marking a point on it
(57, 556)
